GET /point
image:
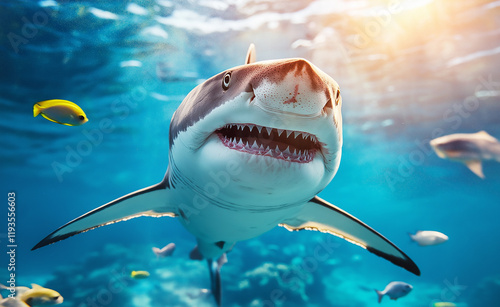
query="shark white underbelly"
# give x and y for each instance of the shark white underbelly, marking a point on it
(250, 148)
(211, 220)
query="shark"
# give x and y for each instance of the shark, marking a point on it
(468, 148)
(249, 150)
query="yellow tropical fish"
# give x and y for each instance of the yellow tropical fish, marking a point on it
(36, 296)
(60, 111)
(139, 274)
(444, 304)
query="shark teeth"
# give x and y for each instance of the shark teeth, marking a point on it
(292, 146)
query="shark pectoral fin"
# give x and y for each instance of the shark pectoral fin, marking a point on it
(322, 216)
(151, 201)
(476, 167)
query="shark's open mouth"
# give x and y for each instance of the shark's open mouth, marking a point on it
(293, 146)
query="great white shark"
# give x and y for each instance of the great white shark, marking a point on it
(250, 148)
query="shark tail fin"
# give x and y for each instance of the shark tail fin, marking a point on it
(380, 295)
(215, 278)
(151, 201)
(476, 167)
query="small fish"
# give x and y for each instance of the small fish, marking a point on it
(444, 304)
(36, 296)
(468, 148)
(60, 111)
(165, 251)
(394, 290)
(139, 274)
(428, 237)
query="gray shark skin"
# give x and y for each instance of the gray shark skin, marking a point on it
(249, 150)
(468, 148)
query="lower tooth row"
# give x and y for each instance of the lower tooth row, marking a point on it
(301, 155)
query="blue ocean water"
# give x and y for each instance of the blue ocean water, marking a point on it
(409, 71)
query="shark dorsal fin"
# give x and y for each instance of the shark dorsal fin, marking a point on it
(251, 57)
(476, 167)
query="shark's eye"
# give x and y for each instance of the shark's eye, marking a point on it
(226, 80)
(337, 98)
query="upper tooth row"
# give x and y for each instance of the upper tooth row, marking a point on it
(280, 131)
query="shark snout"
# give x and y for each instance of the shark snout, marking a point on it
(296, 87)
